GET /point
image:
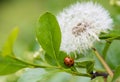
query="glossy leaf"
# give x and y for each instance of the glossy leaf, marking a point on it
(48, 34)
(8, 46)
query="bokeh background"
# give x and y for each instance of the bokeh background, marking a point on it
(25, 13)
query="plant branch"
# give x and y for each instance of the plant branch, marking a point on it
(96, 74)
(49, 66)
(103, 62)
(31, 64)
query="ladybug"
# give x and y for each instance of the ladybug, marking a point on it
(68, 61)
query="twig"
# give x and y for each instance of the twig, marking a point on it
(103, 62)
(97, 74)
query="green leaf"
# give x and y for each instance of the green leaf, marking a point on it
(41, 75)
(32, 75)
(9, 65)
(50, 60)
(113, 54)
(116, 74)
(8, 46)
(57, 77)
(61, 58)
(112, 35)
(48, 34)
(85, 63)
(90, 66)
(72, 55)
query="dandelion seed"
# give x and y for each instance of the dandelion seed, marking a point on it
(81, 24)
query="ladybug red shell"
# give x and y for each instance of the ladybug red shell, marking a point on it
(68, 61)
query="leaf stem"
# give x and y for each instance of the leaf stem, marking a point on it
(48, 66)
(107, 45)
(31, 64)
(103, 62)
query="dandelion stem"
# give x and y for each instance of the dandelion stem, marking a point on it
(103, 62)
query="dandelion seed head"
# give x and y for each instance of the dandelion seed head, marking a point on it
(81, 24)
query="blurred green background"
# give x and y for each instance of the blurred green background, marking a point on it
(25, 13)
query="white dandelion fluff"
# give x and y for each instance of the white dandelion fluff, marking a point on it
(81, 25)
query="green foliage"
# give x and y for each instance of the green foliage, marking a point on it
(112, 35)
(32, 75)
(116, 75)
(41, 75)
(113, 54)
(61, 57)
(8, 45)
(49, 37)
(9, 65)
(48, 34)
(90, 66)
(50, 60)
(13, 13)
(86, 63)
